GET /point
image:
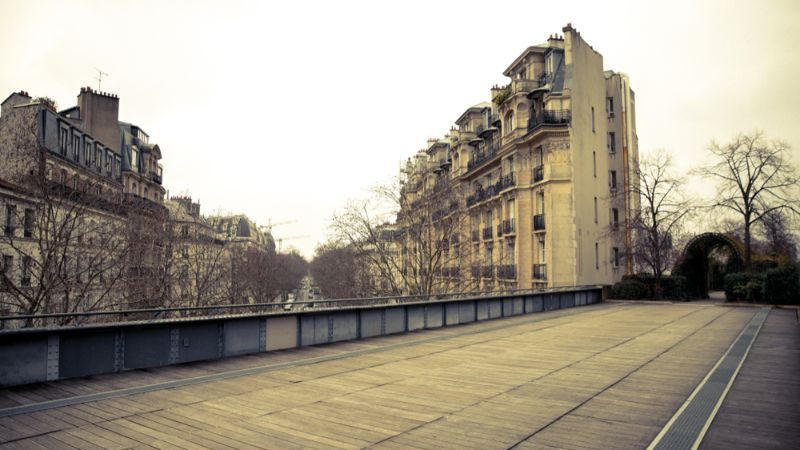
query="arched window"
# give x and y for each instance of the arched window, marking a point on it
(510, 122)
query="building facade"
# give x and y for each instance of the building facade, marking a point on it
(79, 234)
(534, 187)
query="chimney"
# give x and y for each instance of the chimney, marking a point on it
(100, 116)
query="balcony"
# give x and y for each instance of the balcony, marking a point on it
(156, 177)
(476, 236)
(509, 226)
(538, 222)
(538, 174)
(487, 271)
(540, 271)
(555, 117)
(476, 271)
(507, 181)
(523, 85)
(487, 233)
(507, 272)
(479, 157)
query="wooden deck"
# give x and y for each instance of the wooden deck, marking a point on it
(762, 409)
(605, 376)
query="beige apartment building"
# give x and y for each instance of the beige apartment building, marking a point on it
(534, 187)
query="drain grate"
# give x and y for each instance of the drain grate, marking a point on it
(688, 426)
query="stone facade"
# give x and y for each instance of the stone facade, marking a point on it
(542, 175)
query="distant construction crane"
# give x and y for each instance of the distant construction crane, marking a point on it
(269, 225)
(288, 238)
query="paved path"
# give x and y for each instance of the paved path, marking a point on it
(605, 376)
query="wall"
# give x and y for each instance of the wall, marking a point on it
(39, 355)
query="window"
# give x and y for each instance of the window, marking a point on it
(63, 141)
(87, 153)
(595, 210)
(76, 147)
(109, 157)
(98, 157)
(8, 265)
(614, 217)
(185, 230)
(615, 256)
(610, 106)
(596, 256)
(594, 164)
(134, 159)
(612, 180)
(26, 271)
(510, 122)
(592, 119)
(541, 250)
(612, 142)
(185, 251)
(117, 166)
(30, 218)
(11, 220)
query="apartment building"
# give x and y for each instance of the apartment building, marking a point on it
(534, 187)
(83, 201)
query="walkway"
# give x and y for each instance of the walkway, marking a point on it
(604, 376)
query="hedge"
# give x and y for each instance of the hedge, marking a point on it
(782, 285)
(744, 286)
(630, 290)
(671, 287)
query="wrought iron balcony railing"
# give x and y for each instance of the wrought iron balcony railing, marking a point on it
(509, 226)
(540, 271)
(538, 174)
(538, 222)
(554, 117)
(487, 233)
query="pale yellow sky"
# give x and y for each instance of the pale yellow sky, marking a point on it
(285, 110)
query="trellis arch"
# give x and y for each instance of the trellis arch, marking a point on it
(693, 261)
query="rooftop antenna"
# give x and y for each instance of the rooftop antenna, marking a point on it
(99, 78)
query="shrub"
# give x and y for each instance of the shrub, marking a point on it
(782, 285)
(744, 286)
(629, 290)
(674, 287)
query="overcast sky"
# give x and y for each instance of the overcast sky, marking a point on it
(284, 110)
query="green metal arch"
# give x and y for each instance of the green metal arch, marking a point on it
(693, 261)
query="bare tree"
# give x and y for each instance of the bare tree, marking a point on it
(64, 244)
(780, 243)
(755, 179)
(664, 208)
(339, 272)
(404, 239)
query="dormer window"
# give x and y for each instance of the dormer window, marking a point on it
(134, 159)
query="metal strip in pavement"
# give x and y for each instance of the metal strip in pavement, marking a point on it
(686, 429)
(86, 398)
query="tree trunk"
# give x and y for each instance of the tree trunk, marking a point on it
(747, 254)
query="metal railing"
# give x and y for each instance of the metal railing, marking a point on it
(538, 222)
(507, 271)
(14, 322)
(487, 233)
(540, 271)
(538, 174)
(509, 226)
(555, 117)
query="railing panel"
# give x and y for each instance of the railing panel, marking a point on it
(31, 355)
(86, 354)
(434, 315)
(148, 347)
(241, 337)
(416, 317)
(23, 361)
(345, 326)
(281, 333)
(371, 322)
(198, 342)
(395, 320)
